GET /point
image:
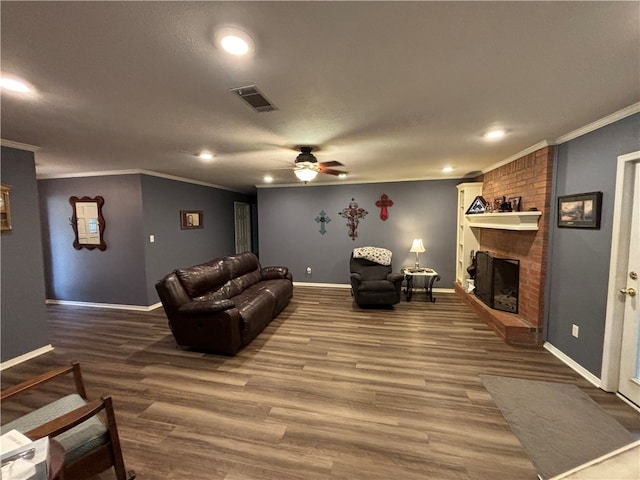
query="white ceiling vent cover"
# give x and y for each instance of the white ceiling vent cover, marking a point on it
(254, 98)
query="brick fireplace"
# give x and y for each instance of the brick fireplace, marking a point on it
(528, 177)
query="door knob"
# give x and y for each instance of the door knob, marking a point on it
(628, 291)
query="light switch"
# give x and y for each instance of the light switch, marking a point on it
(152, 238)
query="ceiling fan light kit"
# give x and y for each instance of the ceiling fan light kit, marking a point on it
(305, 173)
(306, 166)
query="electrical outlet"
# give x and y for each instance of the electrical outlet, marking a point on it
(308, 270)
(575, 330)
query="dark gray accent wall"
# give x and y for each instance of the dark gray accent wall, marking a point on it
(579, 259)
(290, 236)
(162, 200)
(116, 275)
(135, 207)
(24, 326)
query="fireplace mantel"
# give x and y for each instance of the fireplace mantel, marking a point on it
(505, 220)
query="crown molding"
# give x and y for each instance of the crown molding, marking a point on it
(522, 153)
(603, 122)
(134, 171)
(18, 145)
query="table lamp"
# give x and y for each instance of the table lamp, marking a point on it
(418, 248)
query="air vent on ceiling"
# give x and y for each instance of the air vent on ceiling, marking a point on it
(254, 98)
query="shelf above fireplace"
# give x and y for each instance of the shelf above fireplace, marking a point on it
(505, 220)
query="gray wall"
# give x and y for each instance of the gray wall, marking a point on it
(162, 200)
(135, 207)
(579, 259)
(422, 209)
(116, 275)
(24, 325)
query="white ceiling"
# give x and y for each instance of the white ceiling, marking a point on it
(394, 90)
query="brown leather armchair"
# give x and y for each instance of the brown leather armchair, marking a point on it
(373, 283)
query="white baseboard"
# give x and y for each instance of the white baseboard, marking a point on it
(346, 285)
(328, 285)
(115, 306)
(24, 357)
(590, 377)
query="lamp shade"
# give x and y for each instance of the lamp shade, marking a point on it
(417, 246)
(305, 174)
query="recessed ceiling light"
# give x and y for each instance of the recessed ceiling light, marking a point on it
(268, 179)
(205, 155)
(14, 84)
(447, 169)
(342, 175)
(495, 134)
(234, 41)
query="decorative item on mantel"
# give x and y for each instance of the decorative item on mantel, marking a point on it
(478, 205)
(383, 203)
(322, 219)
(353, 213)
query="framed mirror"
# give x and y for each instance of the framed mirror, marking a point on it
(88, 223)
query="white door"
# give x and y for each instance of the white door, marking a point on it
(629, 382)
(242, 212)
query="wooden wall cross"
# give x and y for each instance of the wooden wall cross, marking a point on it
(384, 203)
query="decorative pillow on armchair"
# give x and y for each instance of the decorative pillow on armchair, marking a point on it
(373, 254)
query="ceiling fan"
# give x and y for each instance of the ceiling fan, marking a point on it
(306, 166)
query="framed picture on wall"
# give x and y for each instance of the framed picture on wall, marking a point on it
(580, 211)
(5, 209)
(190, 219)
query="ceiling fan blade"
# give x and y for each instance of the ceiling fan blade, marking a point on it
(331, 163)
(331, 171)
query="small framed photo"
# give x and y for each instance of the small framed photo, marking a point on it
(5, 209)
(515, 203)
(497, 203)
(580, 211)
(190, 219)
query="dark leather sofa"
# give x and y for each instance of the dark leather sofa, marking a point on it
(222, 305)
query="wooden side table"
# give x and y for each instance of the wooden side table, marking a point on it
(430, 277)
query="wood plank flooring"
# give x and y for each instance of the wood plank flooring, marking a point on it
(327, 391)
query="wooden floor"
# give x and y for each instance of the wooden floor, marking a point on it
(327, 391)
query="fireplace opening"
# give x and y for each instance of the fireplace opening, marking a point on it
(497, 281)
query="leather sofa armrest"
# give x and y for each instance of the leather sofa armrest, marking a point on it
(274, 273)
(356, 278)
(204, 307)
(394, 277)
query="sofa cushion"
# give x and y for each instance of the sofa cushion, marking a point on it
(203, 278)
(76, 441)
(206, 307)
(281, 290)
(248, 279)
(242, 263)
(256, 311)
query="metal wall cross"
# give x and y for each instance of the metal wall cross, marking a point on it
(353, 214)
